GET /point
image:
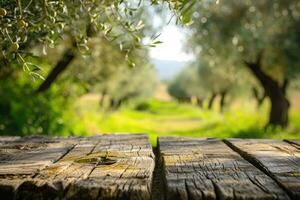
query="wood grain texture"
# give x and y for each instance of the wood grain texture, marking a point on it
(294, 142)
(98, 167)
(23, 158)
(278, 159)
(124, 170)
(209, 169)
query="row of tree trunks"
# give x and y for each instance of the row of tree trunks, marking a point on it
(274, 91)
(222, 102)
(200, 102)
(114, 103)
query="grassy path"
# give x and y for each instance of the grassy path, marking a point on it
(158, 118)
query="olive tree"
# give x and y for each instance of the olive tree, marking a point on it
(261, 36)
(105, 72)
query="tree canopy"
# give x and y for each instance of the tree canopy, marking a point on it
(27, 23)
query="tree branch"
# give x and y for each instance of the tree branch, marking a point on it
(264, 78)
(63, 63)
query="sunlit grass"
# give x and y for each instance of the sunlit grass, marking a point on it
(160, 118)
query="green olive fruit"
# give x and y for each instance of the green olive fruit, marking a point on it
(21, 23)
(3, 12)
(15, 46)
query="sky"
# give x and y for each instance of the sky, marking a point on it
(172, 46)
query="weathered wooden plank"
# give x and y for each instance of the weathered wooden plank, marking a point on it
(209, 169)
(278, 159)
(52, 180)
(105, 167)
(5, 139)
(22, 158)
(124, 170)
(30, 154)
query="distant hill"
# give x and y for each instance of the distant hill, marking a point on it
(167, 69)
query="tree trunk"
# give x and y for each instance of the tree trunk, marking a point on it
(258, 97)
(276, 93)
(211, 100)
(279, 110)
(199, 102)
(114, 104)
(118, 104)
(62, 64)
(111, 103)
(101, 101)
(222, 100)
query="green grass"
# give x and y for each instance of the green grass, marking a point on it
(160, 118)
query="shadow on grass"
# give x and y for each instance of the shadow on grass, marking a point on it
(215, 130)
(251, 133)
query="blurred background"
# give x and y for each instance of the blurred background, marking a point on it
(209, 69)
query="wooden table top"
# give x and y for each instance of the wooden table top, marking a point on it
(124, 166)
